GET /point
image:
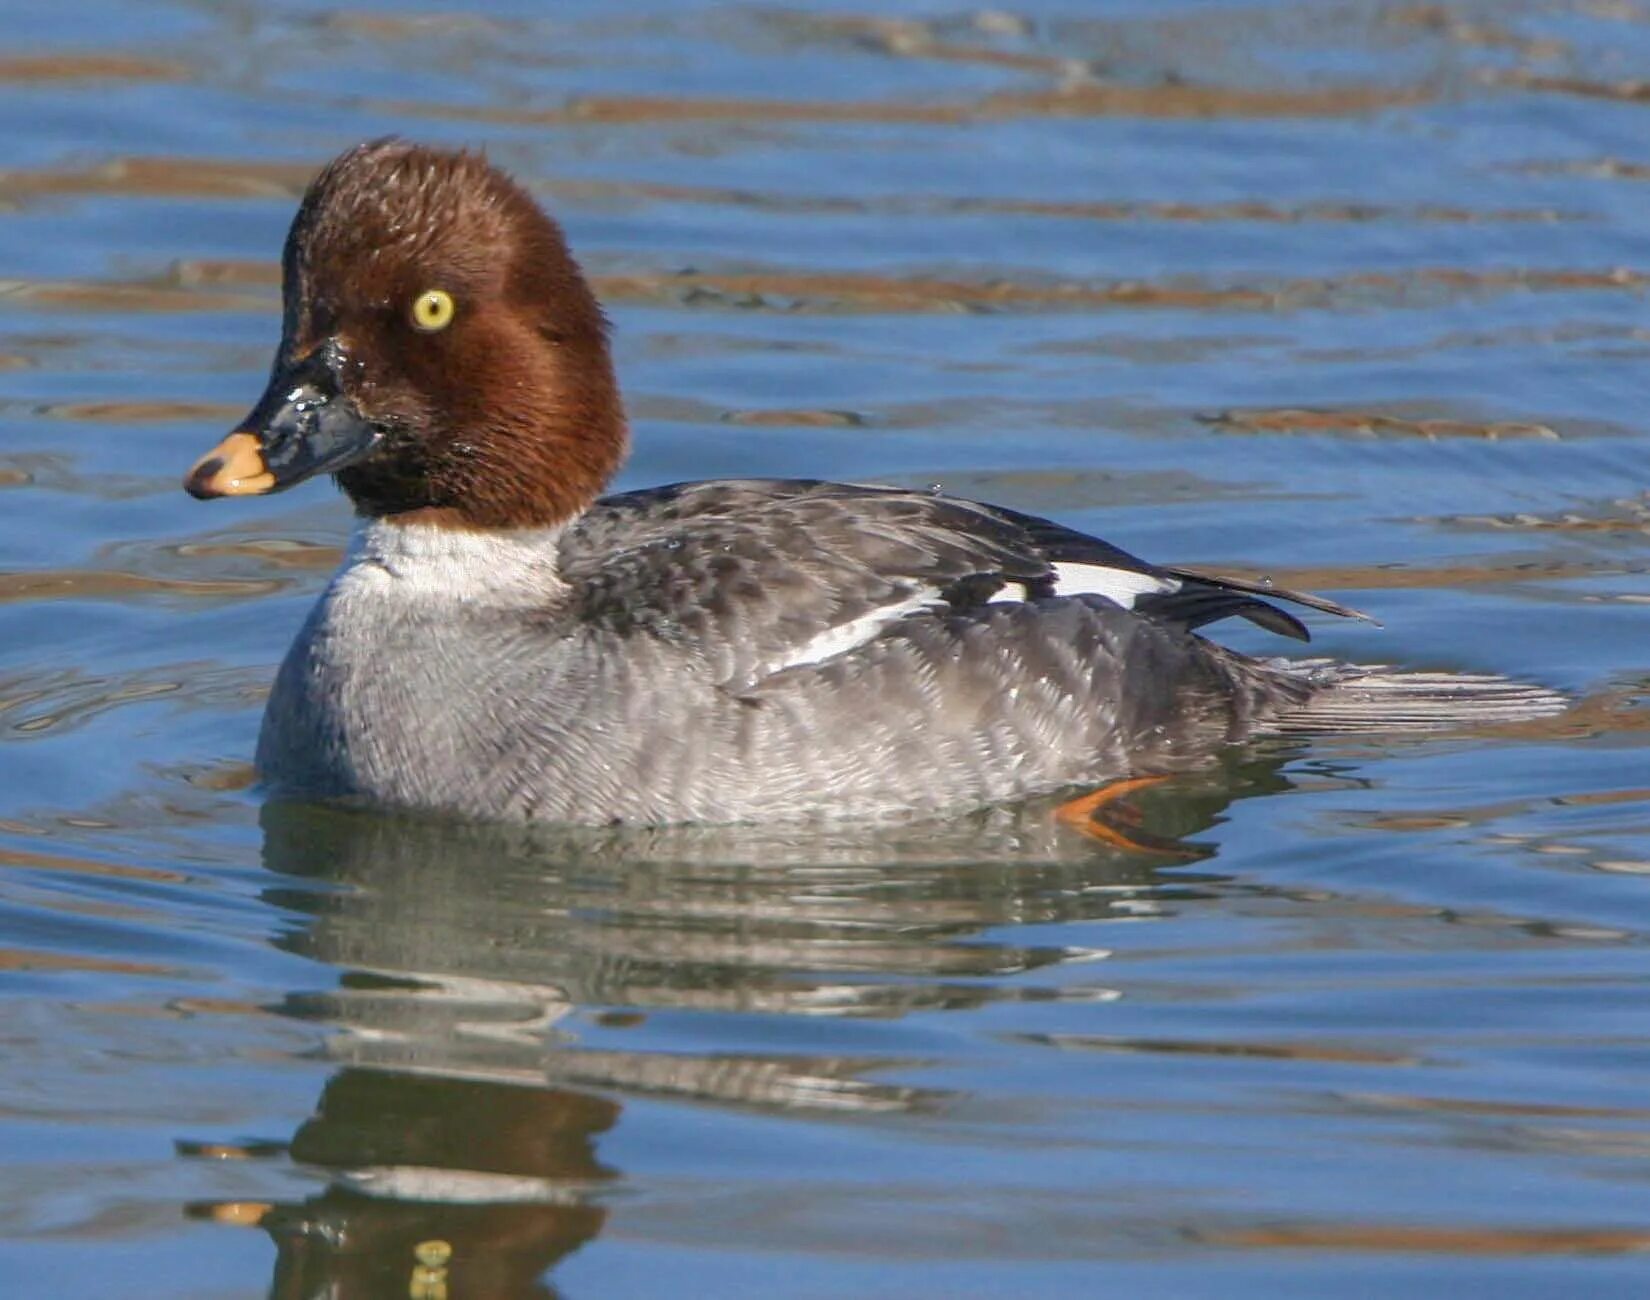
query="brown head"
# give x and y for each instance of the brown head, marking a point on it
(440, 352)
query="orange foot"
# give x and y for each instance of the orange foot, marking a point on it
(1099, 815)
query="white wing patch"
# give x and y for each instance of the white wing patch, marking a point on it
(854, 633)
(1124, 586)
(1121, 586)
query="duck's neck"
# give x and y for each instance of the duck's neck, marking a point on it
(429, 562)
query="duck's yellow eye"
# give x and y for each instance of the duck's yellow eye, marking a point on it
(432, 310)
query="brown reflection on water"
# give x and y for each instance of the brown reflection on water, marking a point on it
(776, 417)
(1252, 210)
(850, 291)
(1175, 100)
(1430, 1239)
(22, 858)
(25, 959)
(1257, 211)
(90, 66)
(138, 177)
(1374, 424)
(1304, 1050)
(124, 295)
(138, 412)
(108, 584)
(411, 26)
(1171, 100)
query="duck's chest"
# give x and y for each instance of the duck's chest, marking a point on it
(408, 701)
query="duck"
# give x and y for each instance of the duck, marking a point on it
(502, 641)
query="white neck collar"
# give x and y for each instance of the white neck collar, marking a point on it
(501, 566)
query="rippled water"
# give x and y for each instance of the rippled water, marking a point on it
(1349, 293)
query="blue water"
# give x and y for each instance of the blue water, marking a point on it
(1352, 294)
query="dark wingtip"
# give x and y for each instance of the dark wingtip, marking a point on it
(1276, 620)
(1266, 590)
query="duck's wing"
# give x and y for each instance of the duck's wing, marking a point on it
(764, 575)
(1187, 597)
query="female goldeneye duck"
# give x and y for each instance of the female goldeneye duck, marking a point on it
(501, 641)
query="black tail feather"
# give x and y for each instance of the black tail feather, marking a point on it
(1197, 603)
(1267, 591)
(1205, 598)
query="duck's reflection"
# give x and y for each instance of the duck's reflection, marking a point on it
(495, 978)
(441, 1187)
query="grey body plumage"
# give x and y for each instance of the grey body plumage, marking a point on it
(670, 658)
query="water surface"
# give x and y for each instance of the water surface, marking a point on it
(1352, 294)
